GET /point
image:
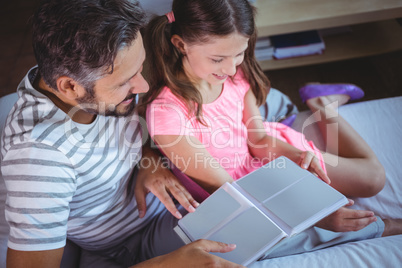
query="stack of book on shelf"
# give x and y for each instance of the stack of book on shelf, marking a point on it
(297, 44)
(259, 210)
(264, 49)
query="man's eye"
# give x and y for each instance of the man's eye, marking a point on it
(122, 85)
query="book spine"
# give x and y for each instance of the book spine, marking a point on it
(182, 234)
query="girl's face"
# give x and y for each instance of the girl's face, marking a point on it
(215, 60)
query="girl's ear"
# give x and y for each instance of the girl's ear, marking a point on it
(69, 87)
(178, 42)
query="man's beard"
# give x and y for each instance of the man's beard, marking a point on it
(89, 104)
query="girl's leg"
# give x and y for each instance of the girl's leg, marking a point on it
(351, 164)
(316, 238)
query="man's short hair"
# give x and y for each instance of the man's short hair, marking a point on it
(81, 38)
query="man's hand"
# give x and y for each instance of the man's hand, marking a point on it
(195, 254)
(162, 183)
(347, 219)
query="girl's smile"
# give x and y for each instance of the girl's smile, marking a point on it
(221, 77)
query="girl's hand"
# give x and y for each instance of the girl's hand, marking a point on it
(346, 219)
(311, 163)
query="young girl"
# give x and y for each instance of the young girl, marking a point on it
(204, 97)
(202, 112)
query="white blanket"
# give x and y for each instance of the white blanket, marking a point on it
(379, 123)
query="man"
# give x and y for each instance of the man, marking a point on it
(72, 150)
(72, 143)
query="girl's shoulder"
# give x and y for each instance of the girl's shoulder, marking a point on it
(239, 83)
(167, 98)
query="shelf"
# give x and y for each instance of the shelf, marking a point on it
(365, 40)
(286, 16)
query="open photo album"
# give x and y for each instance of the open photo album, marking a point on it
(257, 211)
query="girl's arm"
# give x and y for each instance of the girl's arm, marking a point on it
(189, 155)
(266, 148)
(261, 145)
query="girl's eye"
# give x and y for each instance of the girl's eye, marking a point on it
(217, 61)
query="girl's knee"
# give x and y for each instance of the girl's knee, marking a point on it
(376, 181)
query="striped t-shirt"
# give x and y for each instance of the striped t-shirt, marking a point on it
(69, 180)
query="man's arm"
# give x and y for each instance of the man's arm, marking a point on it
(195, 254)
(34, 259)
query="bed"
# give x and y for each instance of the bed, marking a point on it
(379, 123)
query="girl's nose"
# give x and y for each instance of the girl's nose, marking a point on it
(230, 67)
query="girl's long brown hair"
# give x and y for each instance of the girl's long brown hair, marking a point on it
(195, 22)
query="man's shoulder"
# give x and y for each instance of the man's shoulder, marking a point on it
(30, 112)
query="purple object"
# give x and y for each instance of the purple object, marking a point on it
(289, 120)
(315, 90)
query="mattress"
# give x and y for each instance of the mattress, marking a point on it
(379, 123)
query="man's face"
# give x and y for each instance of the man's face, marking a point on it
(114, 94)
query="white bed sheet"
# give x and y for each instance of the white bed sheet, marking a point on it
(379, 123)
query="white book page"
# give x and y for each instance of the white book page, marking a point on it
(270, 179)
(305, 203)
(213, 212)
(252, 232)
(227, 216)
(292, 197)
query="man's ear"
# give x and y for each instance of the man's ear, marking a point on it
(178, 42)
(69, 88)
